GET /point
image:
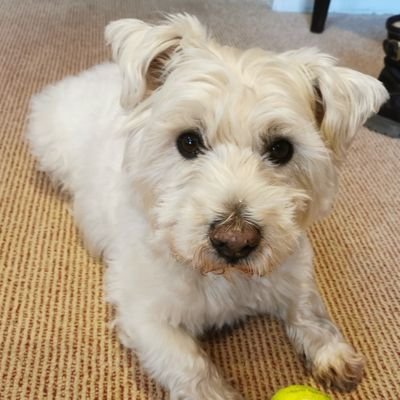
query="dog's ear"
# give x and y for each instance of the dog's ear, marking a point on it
(342, 99)
(143, 50)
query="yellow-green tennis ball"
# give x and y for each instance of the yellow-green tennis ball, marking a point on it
(299, 392)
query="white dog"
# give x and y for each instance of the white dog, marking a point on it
(195, 169)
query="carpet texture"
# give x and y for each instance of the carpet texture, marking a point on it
(55, 338)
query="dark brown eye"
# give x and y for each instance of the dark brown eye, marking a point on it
(190, 144)
(280, 151)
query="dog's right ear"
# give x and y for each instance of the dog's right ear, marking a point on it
(143, 51)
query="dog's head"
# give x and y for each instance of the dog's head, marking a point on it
(234, 153)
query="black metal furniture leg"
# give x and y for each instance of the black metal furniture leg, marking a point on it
(320, 12)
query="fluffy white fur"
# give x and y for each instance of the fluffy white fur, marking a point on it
(148, 210)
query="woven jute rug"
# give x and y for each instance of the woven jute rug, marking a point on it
(55, 338)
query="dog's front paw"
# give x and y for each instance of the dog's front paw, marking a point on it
(338, 365)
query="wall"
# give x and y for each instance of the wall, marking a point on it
(340, 6)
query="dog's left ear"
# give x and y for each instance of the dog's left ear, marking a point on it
(143, 51)
(342, 99)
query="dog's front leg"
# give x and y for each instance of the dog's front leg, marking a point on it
(294, 297)
(175, 359)
(330, 358)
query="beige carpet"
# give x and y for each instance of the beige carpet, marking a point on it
(55, 342)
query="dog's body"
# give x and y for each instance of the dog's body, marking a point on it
(198, 189)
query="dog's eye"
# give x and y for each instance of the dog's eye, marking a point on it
(280, 151)
(190, 144)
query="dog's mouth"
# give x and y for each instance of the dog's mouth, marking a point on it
(207, 261)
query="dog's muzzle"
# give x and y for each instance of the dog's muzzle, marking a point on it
(234, 240)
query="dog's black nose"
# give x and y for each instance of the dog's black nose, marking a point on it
(234, 241)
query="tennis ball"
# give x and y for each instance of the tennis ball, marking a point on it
(299, 392)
